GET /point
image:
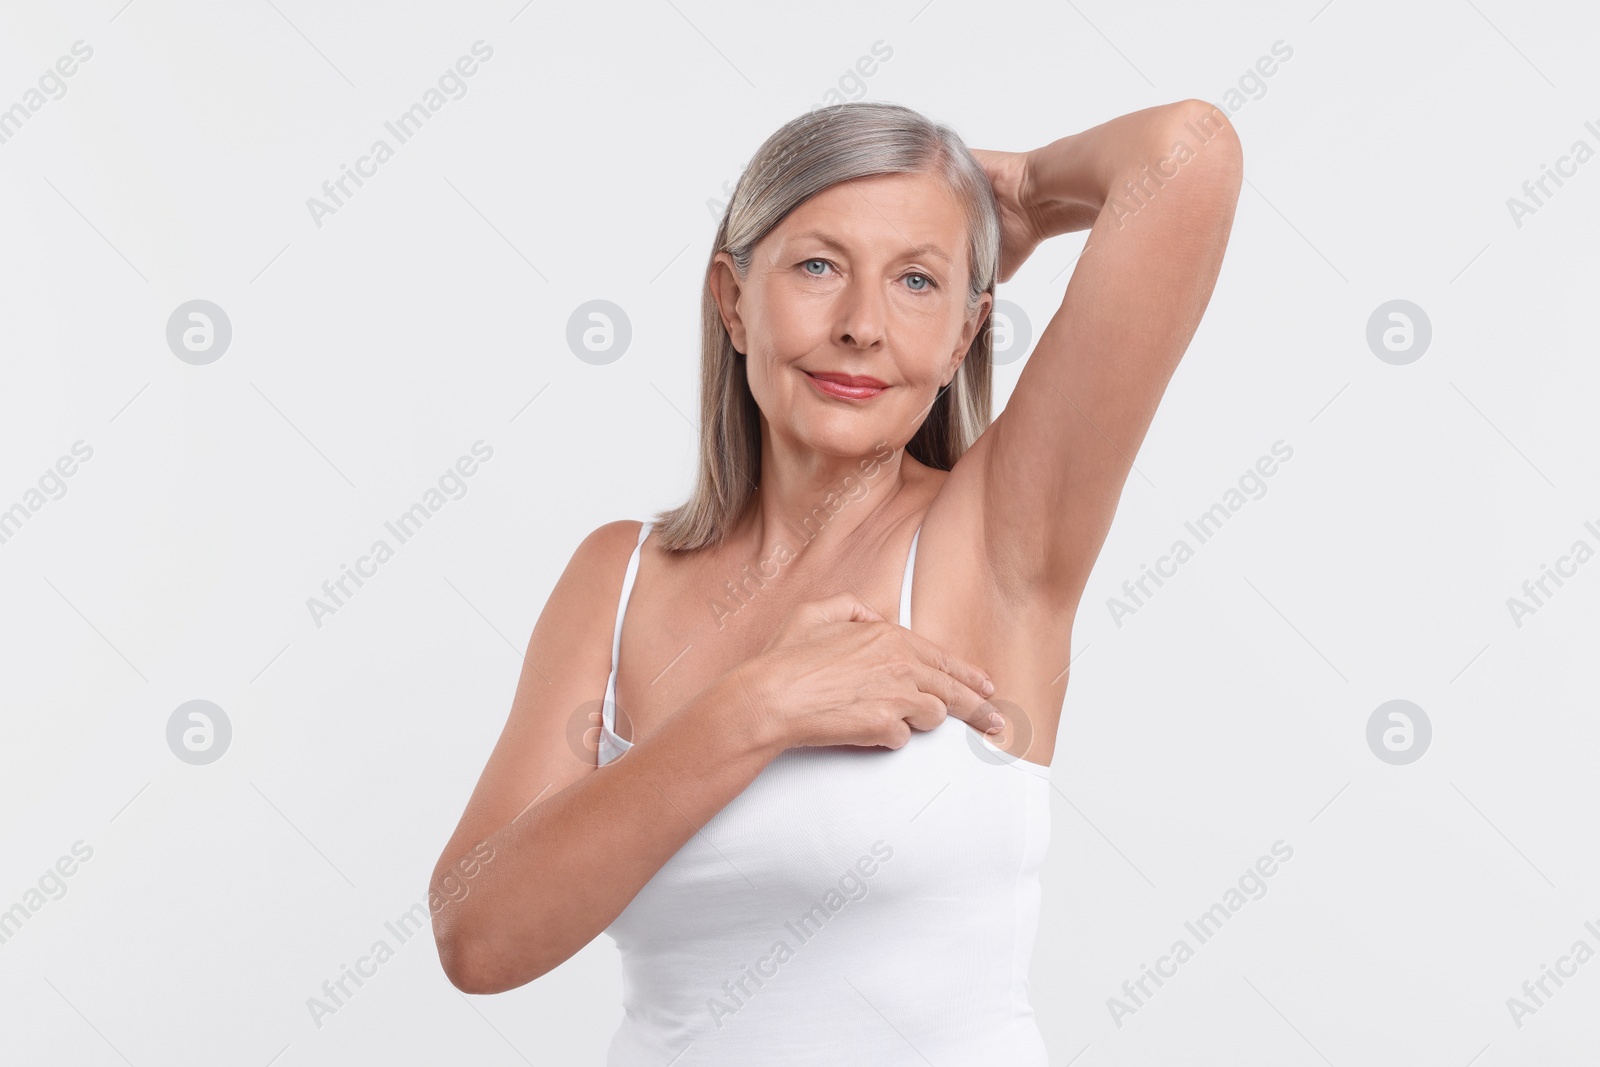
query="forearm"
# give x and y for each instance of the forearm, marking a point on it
(565, 869)
(1072, 178)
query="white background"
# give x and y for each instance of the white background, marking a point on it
(372, 351)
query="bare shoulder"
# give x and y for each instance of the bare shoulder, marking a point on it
(591, 584)
(569, 651)
(610, 538)
(603, 545)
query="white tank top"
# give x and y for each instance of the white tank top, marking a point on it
(853, 905)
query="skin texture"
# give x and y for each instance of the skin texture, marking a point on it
(866, 278)
(853, 302)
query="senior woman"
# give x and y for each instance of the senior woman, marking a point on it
(816, 808)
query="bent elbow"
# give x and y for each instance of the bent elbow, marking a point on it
(1209, 124)
(465, 971)
(477, 966)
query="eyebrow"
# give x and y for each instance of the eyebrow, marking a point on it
(917, 252)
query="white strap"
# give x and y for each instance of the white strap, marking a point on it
(627, 587)
(905, 583)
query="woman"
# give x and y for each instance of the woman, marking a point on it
(816, 812)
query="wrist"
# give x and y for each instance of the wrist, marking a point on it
(748, 709)
(1059, 188)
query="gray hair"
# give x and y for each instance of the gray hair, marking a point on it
(807, 155)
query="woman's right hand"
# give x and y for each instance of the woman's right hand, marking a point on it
(837, 673)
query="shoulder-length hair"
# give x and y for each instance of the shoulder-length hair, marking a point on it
(807, 155)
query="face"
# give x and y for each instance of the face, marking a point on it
(866, 282)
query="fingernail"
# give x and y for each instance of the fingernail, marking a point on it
(988, 688)
(996, 723)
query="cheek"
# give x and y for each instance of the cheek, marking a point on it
(792, 327)
(764, 370)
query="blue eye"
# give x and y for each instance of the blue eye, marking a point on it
(928, 283)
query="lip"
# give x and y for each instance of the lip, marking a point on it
(847, 386)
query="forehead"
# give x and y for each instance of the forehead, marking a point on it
(886, 211)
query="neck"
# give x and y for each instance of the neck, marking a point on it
(813, 502)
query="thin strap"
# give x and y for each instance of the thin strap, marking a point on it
(905, 583)
(627, 587)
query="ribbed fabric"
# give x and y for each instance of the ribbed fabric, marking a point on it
(853, 905)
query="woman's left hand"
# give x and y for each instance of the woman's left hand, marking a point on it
(1022, 224)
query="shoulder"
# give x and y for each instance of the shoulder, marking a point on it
(578, 615)
(602, 556)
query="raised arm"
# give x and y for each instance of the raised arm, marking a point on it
(1159, 187)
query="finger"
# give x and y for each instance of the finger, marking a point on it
(959, 700)
(925, 710)
(968, 674)
(845, 607)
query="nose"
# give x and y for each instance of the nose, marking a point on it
(861, 314)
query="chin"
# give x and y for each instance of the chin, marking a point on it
(843, 437)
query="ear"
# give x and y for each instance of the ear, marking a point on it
(969, 330)
(725, 289)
